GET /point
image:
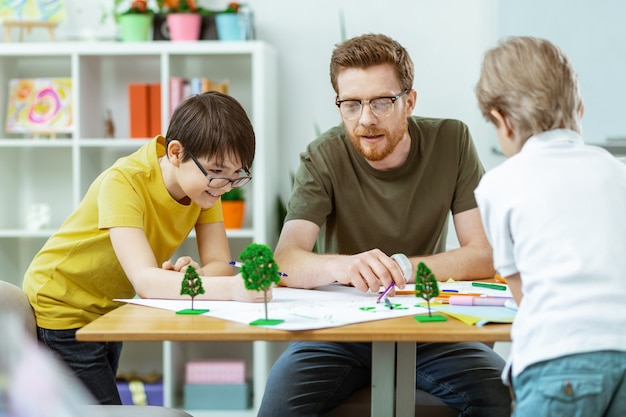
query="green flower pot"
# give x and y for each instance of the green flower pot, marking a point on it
(135, 27)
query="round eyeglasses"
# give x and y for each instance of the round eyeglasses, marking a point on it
(380, 106)
(220, 182)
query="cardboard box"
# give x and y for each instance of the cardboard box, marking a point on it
(218, 396)
(144, 393)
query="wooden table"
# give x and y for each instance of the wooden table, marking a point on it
(390, 338)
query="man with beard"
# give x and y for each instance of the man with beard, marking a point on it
(382, 183)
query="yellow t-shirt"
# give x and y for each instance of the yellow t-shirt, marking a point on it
(76, 275)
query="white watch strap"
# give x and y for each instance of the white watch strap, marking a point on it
(402, 260)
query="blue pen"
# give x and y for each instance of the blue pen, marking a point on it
(239, 265)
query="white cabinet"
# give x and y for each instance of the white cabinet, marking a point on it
(57, 172)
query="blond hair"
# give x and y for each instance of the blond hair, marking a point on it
(531, 82)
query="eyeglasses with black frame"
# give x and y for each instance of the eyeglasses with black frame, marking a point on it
(220, 182)
(380, 106)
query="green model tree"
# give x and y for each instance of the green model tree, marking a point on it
(191, 285)
(259, 272)
(427, 288)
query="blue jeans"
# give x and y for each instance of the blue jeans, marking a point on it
(94, 364)
(312, 378)
(582, 385)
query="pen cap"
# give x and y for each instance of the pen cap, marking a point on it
(402, 260)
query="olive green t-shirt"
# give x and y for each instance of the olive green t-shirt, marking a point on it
(402, 210)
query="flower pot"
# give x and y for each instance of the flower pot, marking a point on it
(135, 27)
(233, 212)
(184, 26)
(230, 27)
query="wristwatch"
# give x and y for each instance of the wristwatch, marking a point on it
(402, 260)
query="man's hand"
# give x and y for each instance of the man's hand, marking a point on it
(369, 271)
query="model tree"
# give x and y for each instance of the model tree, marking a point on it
(259, 272)
(191, 285)
(427, 288)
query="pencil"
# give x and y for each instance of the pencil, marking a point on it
(239, 265)
(499, 278)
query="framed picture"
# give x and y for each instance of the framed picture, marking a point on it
(40, 105)
(33, 10)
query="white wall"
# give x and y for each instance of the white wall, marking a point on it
(446, 39)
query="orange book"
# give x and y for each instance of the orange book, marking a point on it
(154, 105)
(138, 110)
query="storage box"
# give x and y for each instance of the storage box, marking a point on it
(215, 372)
(143, 393)
(218, 396)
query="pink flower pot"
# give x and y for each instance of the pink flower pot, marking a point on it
(184, 26)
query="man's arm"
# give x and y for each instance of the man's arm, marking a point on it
(305, 269)
(473, 260)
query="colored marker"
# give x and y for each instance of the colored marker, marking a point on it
(491, 286)
(384, 293)
(477, 301)
(239, 265)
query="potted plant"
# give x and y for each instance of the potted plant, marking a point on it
(183, 19)
(134, 21)
(233, 208)
(230, 25)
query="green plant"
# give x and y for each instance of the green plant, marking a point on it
(181, 6)
(259, 270)
(126, 7)
(235, 194)
(191, 284)
(426, 284)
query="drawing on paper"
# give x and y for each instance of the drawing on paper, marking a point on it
(32, 10)
(40, 105)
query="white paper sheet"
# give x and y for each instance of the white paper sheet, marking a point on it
(328, 306)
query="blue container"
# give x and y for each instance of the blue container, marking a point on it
(230, 27)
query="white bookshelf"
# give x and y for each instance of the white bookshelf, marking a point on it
(57, 172)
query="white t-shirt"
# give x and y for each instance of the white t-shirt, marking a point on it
(556, 213)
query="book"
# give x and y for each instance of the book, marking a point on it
(138, 105)
(154, 110)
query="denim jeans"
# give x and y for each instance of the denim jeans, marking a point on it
(582, 385)
(311, 378)
(94, 364)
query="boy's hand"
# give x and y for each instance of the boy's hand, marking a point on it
(241, 293)
(181, 264)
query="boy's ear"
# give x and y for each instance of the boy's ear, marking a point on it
(174, 152)
(581, 110)
(502, 123)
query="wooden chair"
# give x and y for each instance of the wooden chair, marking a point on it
(13, 300)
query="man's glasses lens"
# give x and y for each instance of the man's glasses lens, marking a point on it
(380, 106)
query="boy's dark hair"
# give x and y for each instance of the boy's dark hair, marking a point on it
(213, 125)
(368, 50)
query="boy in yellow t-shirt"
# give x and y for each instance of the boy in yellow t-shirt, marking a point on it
(135, 215)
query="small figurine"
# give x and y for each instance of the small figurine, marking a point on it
(109, 127)
(427, 288)
(259, 272)
(191, 285)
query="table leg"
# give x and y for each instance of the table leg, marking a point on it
(405, 379)
(383, 375)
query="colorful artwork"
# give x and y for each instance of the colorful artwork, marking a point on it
(40, 105)
(29, 10)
